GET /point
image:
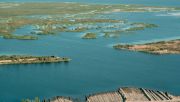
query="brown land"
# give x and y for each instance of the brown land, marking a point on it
(125, 94)
(162, 47)
(133, 95)
(59, 99)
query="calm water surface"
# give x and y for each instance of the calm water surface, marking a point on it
(95, 65)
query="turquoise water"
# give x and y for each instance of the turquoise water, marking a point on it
(95, 65)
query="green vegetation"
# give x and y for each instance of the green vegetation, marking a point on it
(52, 18)
(114, 33)
(23, 37)
(74, 8)
(47, 27)
(135, 28)
(21, 59)
(29, 100)
(132, 27)
(119, 46)
(140, 26)
(145, 25)
(89, 36)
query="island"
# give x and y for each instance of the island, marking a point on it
(22, 59)
(22, 37)
(89, 36)
(161, 47)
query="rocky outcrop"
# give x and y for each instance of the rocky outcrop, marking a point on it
(105, 97)
(59, 99)
(125, 94)
(140, 95)
(133, 95)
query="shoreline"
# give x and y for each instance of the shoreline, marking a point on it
(124, 94)
(161, 47)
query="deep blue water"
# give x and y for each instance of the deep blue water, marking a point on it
(95, 65)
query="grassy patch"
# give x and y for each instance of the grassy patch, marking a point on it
(89, 36)
(23, 37)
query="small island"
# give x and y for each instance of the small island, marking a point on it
(89, 36)
(140, 26)
(23, 37)
(21, 59)
(162, 47)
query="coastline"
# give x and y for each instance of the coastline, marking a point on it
(124, 94)
(162, 47)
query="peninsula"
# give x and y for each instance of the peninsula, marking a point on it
(162, 47)
(20, 59)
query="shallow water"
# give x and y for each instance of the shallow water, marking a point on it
(95, 65)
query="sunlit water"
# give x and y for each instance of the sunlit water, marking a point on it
(95, 65)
